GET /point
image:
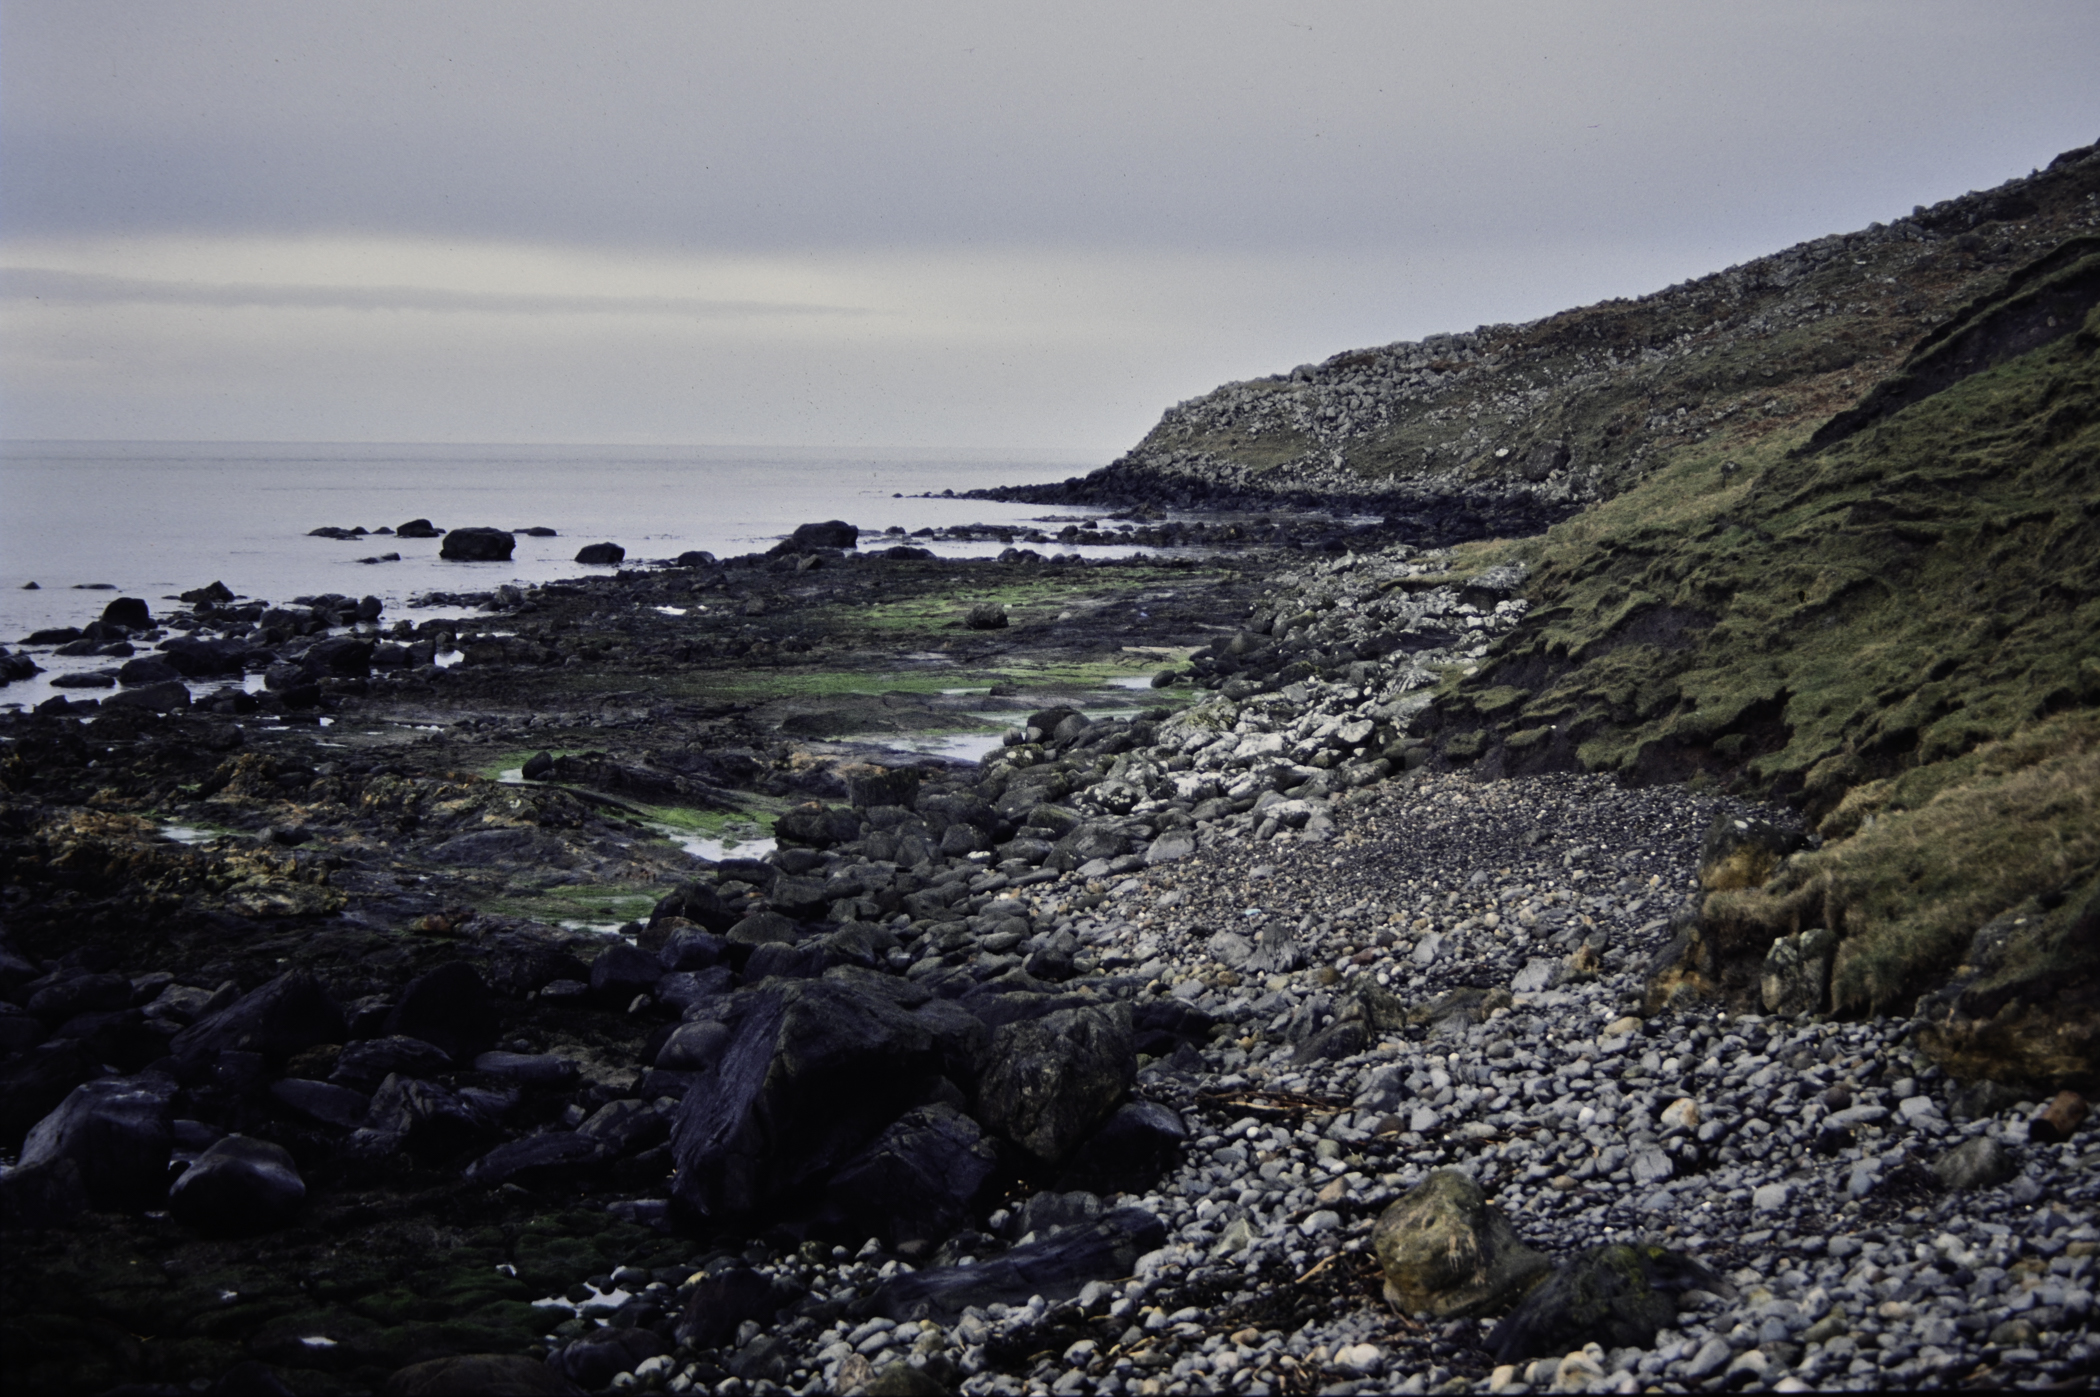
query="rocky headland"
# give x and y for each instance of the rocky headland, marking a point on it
(1569, 864)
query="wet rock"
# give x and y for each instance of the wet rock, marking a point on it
(1054, 1080)
(449, 1007)
(724, 1302)
(534, 1159)
(595, 1358)
(277, 1019)
(339, 657)
(322, 1102)
(421, 1117)
(916, 1181)
(625, 1127)
(601, 554)
(477, 545)
(528, 1069)
(418, 528)
(762, 927)
(164, 697)
(237, 1187)
(366, 1064)
(1978, 1162)
(622, 971)
(205, 657)
(116, 1132)
(688, 947)
(33, 1085)
(1054, 1268)
(500, 847)
(1448, 1254)
(832, 533)
(129, 612)
(146, 669)
(493, 1374)
(813, 1071)
(1617, 1296)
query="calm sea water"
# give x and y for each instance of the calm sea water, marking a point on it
(158, 518)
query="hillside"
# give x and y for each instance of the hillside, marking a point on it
(1579, 406)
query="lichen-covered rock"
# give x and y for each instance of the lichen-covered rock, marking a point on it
(1448, 1254)
(1053, 1080)
(1797, 973)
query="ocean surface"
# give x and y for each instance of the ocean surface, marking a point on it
(152, 519)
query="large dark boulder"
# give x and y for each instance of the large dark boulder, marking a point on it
(623, 971)
(81, 994)
(238, 1187)
(202, 657)
(1052, 1081)
(428, 1120)
(477, 545)
(916, 1181)
(364, 1065)
(813, 1071)
(832, 533)
(117, 1133)
(278, 1019)
(418, 528)
(698, 904)
(450, 1007)
(688, 947)
(1055, 1268)
(601, 554)
(146, 669)
(722, 1303)
(535, 1159)
(128, 612)
(321, 1103)
(163, 697)
(595, 1358)
(817, 826)
(32, 1085)
(339, 657)
(1129, 1153)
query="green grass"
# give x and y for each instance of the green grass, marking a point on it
(592, 903)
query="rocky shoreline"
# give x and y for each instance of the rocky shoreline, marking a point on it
(1133, 1058)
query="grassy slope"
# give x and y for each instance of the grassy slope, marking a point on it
(1901, 633)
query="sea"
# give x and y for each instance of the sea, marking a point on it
(88, 521)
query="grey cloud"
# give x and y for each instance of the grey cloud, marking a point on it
(89, 288)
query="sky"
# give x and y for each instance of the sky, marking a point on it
(914, 224)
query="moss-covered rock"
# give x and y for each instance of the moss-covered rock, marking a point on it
(1447, 1253)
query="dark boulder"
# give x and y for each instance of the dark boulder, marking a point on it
(1053, 1080)
(694, 1047)
(916, 1181)
(128, 612)
(425, 1119)
(450, 1007)
(238, 1187)
(722, 1303)
(32, 1085)
(593, 1359)
(622, 971)
(699, 905)
(813, 1071)
(762, 927)
(366, 1064)
(832, 533)
(477, 545)
(146, 669)
(278, 1019)
(1617, 1296)
(1128, 1154)
(794, 962)
(1055, 1268)
(986, 616)
(817, 826)
(82, 994)
(487, 1374)
(534, 1159)
(538, 767)
(117, 1131)
(338, 657)
(601, 554)
(202, 657)
(528, 1069)
(873, 786)
(688, 990)
(487, 848)
(804, 899)
(216, 593)
(322, 1103)
(418, 528)
(625, 1127)
(688, 947)
(164, 697)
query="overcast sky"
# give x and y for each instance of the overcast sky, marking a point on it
(914, 224)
